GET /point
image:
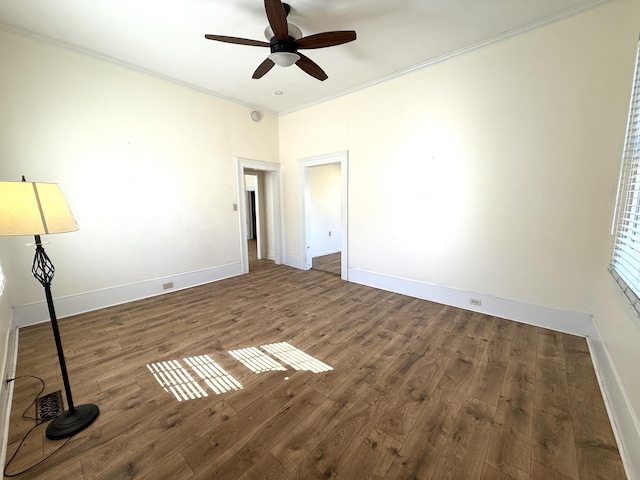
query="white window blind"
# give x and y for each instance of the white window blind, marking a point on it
(625, 264)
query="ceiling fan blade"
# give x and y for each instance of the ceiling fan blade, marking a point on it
(326, 39)
(237, 40)
(311, 67)
(277, 18)
(263, 68)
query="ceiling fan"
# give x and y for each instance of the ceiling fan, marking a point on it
(285, 39)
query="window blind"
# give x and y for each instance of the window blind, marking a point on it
(625, 263)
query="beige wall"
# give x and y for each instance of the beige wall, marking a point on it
(147, 166)
(619, 327)
(5, 314)
(507, 155)
(325, 210)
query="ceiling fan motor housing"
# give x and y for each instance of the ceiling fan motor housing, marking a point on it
(278, 46)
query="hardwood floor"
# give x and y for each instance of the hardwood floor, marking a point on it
(417, 390)
(252, 249)
(328, 263)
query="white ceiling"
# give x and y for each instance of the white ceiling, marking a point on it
(166, 38)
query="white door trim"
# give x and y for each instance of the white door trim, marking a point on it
(272, 177)
(341, 158)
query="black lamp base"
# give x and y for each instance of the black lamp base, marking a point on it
(69, 423)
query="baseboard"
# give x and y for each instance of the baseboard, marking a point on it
(33, 313)
(625, 425)
(575, 323)
(6, 389)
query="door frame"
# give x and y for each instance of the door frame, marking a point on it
(272, 179)
(305, 164)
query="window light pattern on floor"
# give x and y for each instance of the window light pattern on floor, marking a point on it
(256, 360)
(295, 358)
(174, 378)
(213, 374)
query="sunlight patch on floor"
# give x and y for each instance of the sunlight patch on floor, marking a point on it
(213, 374)
(256, 360)
(295, 358)
(174, 378)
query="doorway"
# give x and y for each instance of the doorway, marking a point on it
(320, 221)
(255, 213)
(259, 211)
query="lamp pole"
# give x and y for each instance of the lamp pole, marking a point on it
(43, 271)
(75, 418)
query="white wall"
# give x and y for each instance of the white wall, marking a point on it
(500, 162)
(5, 319)
(7, 351)
(147, 166)
(250, 182)
(260, 182)
(325, 210)
(268, 220)
(492, 173)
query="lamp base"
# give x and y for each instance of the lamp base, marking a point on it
(69, 423)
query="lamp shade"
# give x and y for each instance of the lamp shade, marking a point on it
(29, 208)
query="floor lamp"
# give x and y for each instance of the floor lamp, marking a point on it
(28, 208)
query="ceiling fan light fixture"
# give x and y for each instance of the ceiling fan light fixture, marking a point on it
(284, 59)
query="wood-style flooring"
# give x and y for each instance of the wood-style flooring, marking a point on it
(328, 263)
(417, 390)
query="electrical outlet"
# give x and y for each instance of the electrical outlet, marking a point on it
(167, 286)
(329, 232)
(475, 301)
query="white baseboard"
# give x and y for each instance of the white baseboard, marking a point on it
(6, 392)
(88, 301)
(575, 323)
(623, 420)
